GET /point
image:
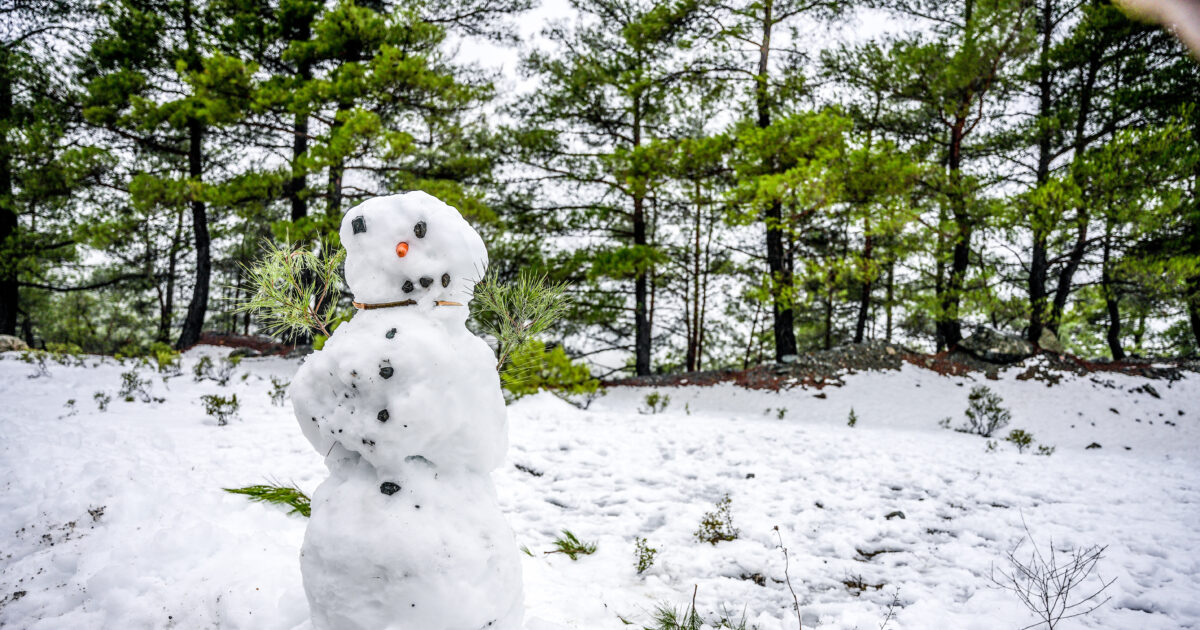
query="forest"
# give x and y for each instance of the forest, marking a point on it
(720, 183)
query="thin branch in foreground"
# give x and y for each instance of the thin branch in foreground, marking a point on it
(1048, 587)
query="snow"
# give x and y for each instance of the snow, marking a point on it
(171, 550)
(404, 404)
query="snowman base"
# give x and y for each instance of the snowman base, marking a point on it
(417, 551)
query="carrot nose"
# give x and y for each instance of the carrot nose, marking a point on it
(402, 249)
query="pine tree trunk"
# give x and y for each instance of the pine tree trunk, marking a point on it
(1066, 278)
(1193, 307)
(783, 319)
(1111, 304)
(168, 308)
(864, 297)
(193, 323)
(1038, 261)
(9, 289)
(891, 284)
(948, 325)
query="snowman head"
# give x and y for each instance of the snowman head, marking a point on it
(411, 246)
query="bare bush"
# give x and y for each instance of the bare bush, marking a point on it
(1051, 587)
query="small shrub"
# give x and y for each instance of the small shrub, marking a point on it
(984, 412)
(1052, 585)
(780, 413)
(205, 369)
(645, 554)
(945, 422)
(991, 446)
(278, 391)
(133, 387)
(37, 358)
(65, 354)
(202, 369)
(166, 359)
(533, 367)
(102, 399)
(853, 419)
(70, 407)
(1020, 438)
(570, 545)
(1044, 450)
(290, 496)
(655, 403)
(221, 408)
(718, 526)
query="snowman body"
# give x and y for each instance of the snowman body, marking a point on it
(405, 405)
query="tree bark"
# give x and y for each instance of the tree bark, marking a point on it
(641, 316)
(1038, 260)
(193, 323)
(1193, 307)
(864, 297)
(948, 325)
(1066, 278)
(783, 318)
(1111, 303)
(9, 289)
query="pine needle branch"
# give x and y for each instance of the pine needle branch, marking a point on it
(274, 493)
(290, 289)
(516, 312)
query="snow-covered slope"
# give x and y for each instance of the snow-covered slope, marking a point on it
(116, 519)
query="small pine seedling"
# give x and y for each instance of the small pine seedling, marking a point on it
(133, 387)
(656, 402)
(221, 408)
(102, 399)
(1020, 438)
(571, 546)
(279, 389)
(985, 415)
(280, 495)
(645, 554)
(853, 419)
(718, 526)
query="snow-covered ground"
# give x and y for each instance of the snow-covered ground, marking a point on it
(117, 519)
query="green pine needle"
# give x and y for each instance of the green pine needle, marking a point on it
(571, 546)
(515, 312)
(292, 288)
(277, 494)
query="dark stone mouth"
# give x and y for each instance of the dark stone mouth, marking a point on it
(425, 282)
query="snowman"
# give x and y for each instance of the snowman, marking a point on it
(404, 404)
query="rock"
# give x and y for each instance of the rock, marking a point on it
(245, 352)
(789, 358)
(10, 343)
(1049, 342)
(897, 514)
(1092, 445)
(299, 352)
(891, 351)
(993, 346)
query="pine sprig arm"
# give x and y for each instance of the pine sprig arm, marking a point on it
(290, 288)
(290, 496)
(516, 312)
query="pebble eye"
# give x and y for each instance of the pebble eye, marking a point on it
(419, 229)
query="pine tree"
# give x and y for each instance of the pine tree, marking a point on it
(44, 168)
(590, 129)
